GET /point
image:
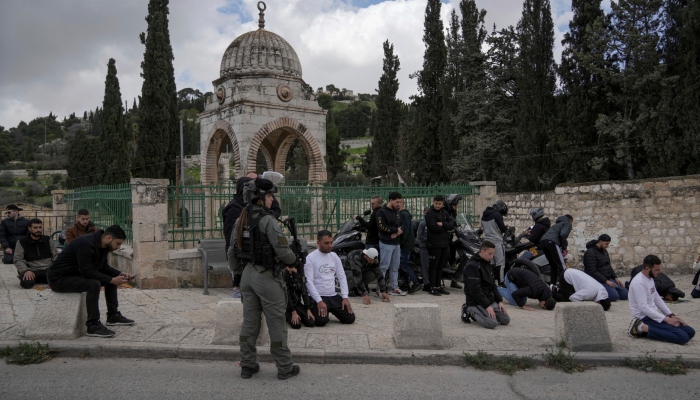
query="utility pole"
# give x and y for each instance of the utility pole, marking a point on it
(182, 174)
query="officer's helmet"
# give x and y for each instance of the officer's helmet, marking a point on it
(259, 187)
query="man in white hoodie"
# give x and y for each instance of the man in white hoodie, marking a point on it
(321, 269)
(651, 317)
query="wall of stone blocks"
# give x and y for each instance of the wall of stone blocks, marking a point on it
(654, 216)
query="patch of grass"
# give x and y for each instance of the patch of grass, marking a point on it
(357, 150)
(27, 353)
(508, 364)
(562, 360)
(649, 363)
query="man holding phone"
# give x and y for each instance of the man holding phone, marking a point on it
(82, 267)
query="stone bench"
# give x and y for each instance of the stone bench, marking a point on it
(582, 325)
(229, 318)
(418, 326)
(58, 316)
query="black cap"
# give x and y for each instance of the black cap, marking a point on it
(264, 184)
(13, 207)
(604, 238)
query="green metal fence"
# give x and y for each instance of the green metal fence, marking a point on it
(194, 212)
(107, 204)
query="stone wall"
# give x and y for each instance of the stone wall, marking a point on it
(654, 216)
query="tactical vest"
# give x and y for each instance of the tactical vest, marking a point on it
(261, 253)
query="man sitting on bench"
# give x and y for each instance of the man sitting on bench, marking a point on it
(82, 267)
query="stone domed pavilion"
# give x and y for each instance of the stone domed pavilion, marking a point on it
(261, 103)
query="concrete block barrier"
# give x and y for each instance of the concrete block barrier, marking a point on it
(58, 316)
(582, 326)
(418, 326)
(229, 318)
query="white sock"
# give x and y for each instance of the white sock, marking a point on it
(640, 328)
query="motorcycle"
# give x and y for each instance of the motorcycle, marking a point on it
(348, 238)
(537, 265)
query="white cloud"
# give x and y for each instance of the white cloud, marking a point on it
(59, 62)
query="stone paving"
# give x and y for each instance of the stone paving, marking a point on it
(186, 316)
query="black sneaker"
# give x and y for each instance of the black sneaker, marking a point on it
(118, 319)
(435, 292)
(415, 288)
(99, 330)
(426, 288)
(443, 291)
(455, 285)
(294, 372)
(247, 373)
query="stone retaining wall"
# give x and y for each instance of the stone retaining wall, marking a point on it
(656, 216)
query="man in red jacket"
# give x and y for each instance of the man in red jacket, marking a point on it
(82, 226)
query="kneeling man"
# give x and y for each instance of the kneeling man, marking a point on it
(484, 303)
(522, 284)
(82, 267)
(321, 269)
(364, 269)
(578, 286)
(651, 317)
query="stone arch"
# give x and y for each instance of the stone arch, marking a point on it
(212, 148)
(268, 157)
(317, 171)
(282, 152)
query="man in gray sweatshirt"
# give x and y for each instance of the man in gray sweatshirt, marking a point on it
(554, 244)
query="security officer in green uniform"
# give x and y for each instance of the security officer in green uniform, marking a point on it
(258, 248)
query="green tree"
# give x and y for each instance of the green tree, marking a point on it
(325, 101)
(82, 151)
(425, 141)
(536, 84)
(6, 151)
(335, 156)
(114, 160)
(380, 158)
(158, 137)
(353, 121)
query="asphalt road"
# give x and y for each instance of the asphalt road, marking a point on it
(72, 378)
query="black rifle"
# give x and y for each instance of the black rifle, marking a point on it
(300, 251)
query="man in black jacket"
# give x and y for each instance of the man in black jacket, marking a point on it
(361, 269)
(389, 224)
(554, 244)
(596, 263)
(439, 224)
(523, 284)
(484, 302)
(372, 239)
(12, 229)
(33, 255)
(82, 267)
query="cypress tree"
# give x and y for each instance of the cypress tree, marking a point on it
(382, 155)
(536, 85)
(158, 137)
(335, 156)
(114, 160)
(426, 152)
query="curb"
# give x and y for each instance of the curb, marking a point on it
(117, 349)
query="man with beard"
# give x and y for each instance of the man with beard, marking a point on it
(33, 255)
(82, 226)
(82, 267)
(651, 317)
(322, 268)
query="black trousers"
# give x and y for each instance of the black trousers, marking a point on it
(306, 321)
(39, 277)
(565, 290)
(335, 307)
(78, 284)
(438, 261)
(555, 259)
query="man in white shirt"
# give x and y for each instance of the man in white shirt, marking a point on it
(578, 286)
(651, 317)
(321, 269)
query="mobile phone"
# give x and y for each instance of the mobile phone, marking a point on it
(132, 278)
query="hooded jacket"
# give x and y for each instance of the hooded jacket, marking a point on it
(541, 227)
(12, 230)
(664, 284)
(388, 222)
(596, 263)
(493, 226)
(371, 226)
(480, 286)
(84, 257)
(529, 286)
(559, 233)
(438, 236)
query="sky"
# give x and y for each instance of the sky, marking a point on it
(54, 53)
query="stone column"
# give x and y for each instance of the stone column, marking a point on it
(149, 199)
(60, 209)
(486, 197)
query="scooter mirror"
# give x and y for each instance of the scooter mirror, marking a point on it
(367, 212)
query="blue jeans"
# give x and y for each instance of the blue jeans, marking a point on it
(390, 259)
(406, 266)
(507, 292)
(616, 293)
(667, 332)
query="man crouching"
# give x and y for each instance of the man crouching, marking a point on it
(484, 303)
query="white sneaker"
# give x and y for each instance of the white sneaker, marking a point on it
(397, 292)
